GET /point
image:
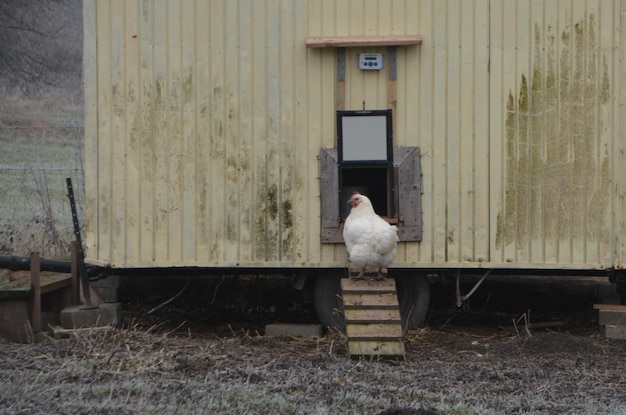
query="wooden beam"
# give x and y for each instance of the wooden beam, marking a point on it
(340, 101)
(617, 307)
(35, 282)
(357, 41)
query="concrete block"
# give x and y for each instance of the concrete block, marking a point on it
(612, 317)
(108, 314)
(107, 288)
(297, 330)
(613, 332)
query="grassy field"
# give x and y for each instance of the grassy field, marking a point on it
(42, 144)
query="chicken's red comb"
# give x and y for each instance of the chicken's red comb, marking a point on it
(356, 193)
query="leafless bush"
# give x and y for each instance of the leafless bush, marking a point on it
(47, 218)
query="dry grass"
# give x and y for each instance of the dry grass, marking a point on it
(158, 371)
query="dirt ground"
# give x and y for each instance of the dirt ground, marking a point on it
(464, 362)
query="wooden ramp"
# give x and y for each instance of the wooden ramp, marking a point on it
(372, 315)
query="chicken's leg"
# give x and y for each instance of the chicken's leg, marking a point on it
(360, 276)
(380, 275)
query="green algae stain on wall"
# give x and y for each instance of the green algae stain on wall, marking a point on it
(557, 165)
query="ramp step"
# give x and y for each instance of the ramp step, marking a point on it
(376, 348)
(372, 314)
(377, 329)
(370, 300)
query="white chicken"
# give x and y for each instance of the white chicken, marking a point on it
(369, 239)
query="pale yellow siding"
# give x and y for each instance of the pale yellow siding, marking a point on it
(556, 132)
(205, 119)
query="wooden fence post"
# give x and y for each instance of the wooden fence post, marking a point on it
(35, 281)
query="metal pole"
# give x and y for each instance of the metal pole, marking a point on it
(82, 269)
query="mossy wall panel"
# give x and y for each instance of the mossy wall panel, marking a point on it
(205, 120)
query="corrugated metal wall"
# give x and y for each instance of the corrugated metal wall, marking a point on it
(205, 119)
(557, 136)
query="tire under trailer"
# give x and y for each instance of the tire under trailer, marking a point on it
(413, 297)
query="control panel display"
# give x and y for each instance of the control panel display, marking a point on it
(371, 61)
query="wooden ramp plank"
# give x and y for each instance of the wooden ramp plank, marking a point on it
(370, 300)
(382, 348)
(372, 314)
(372, 330)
